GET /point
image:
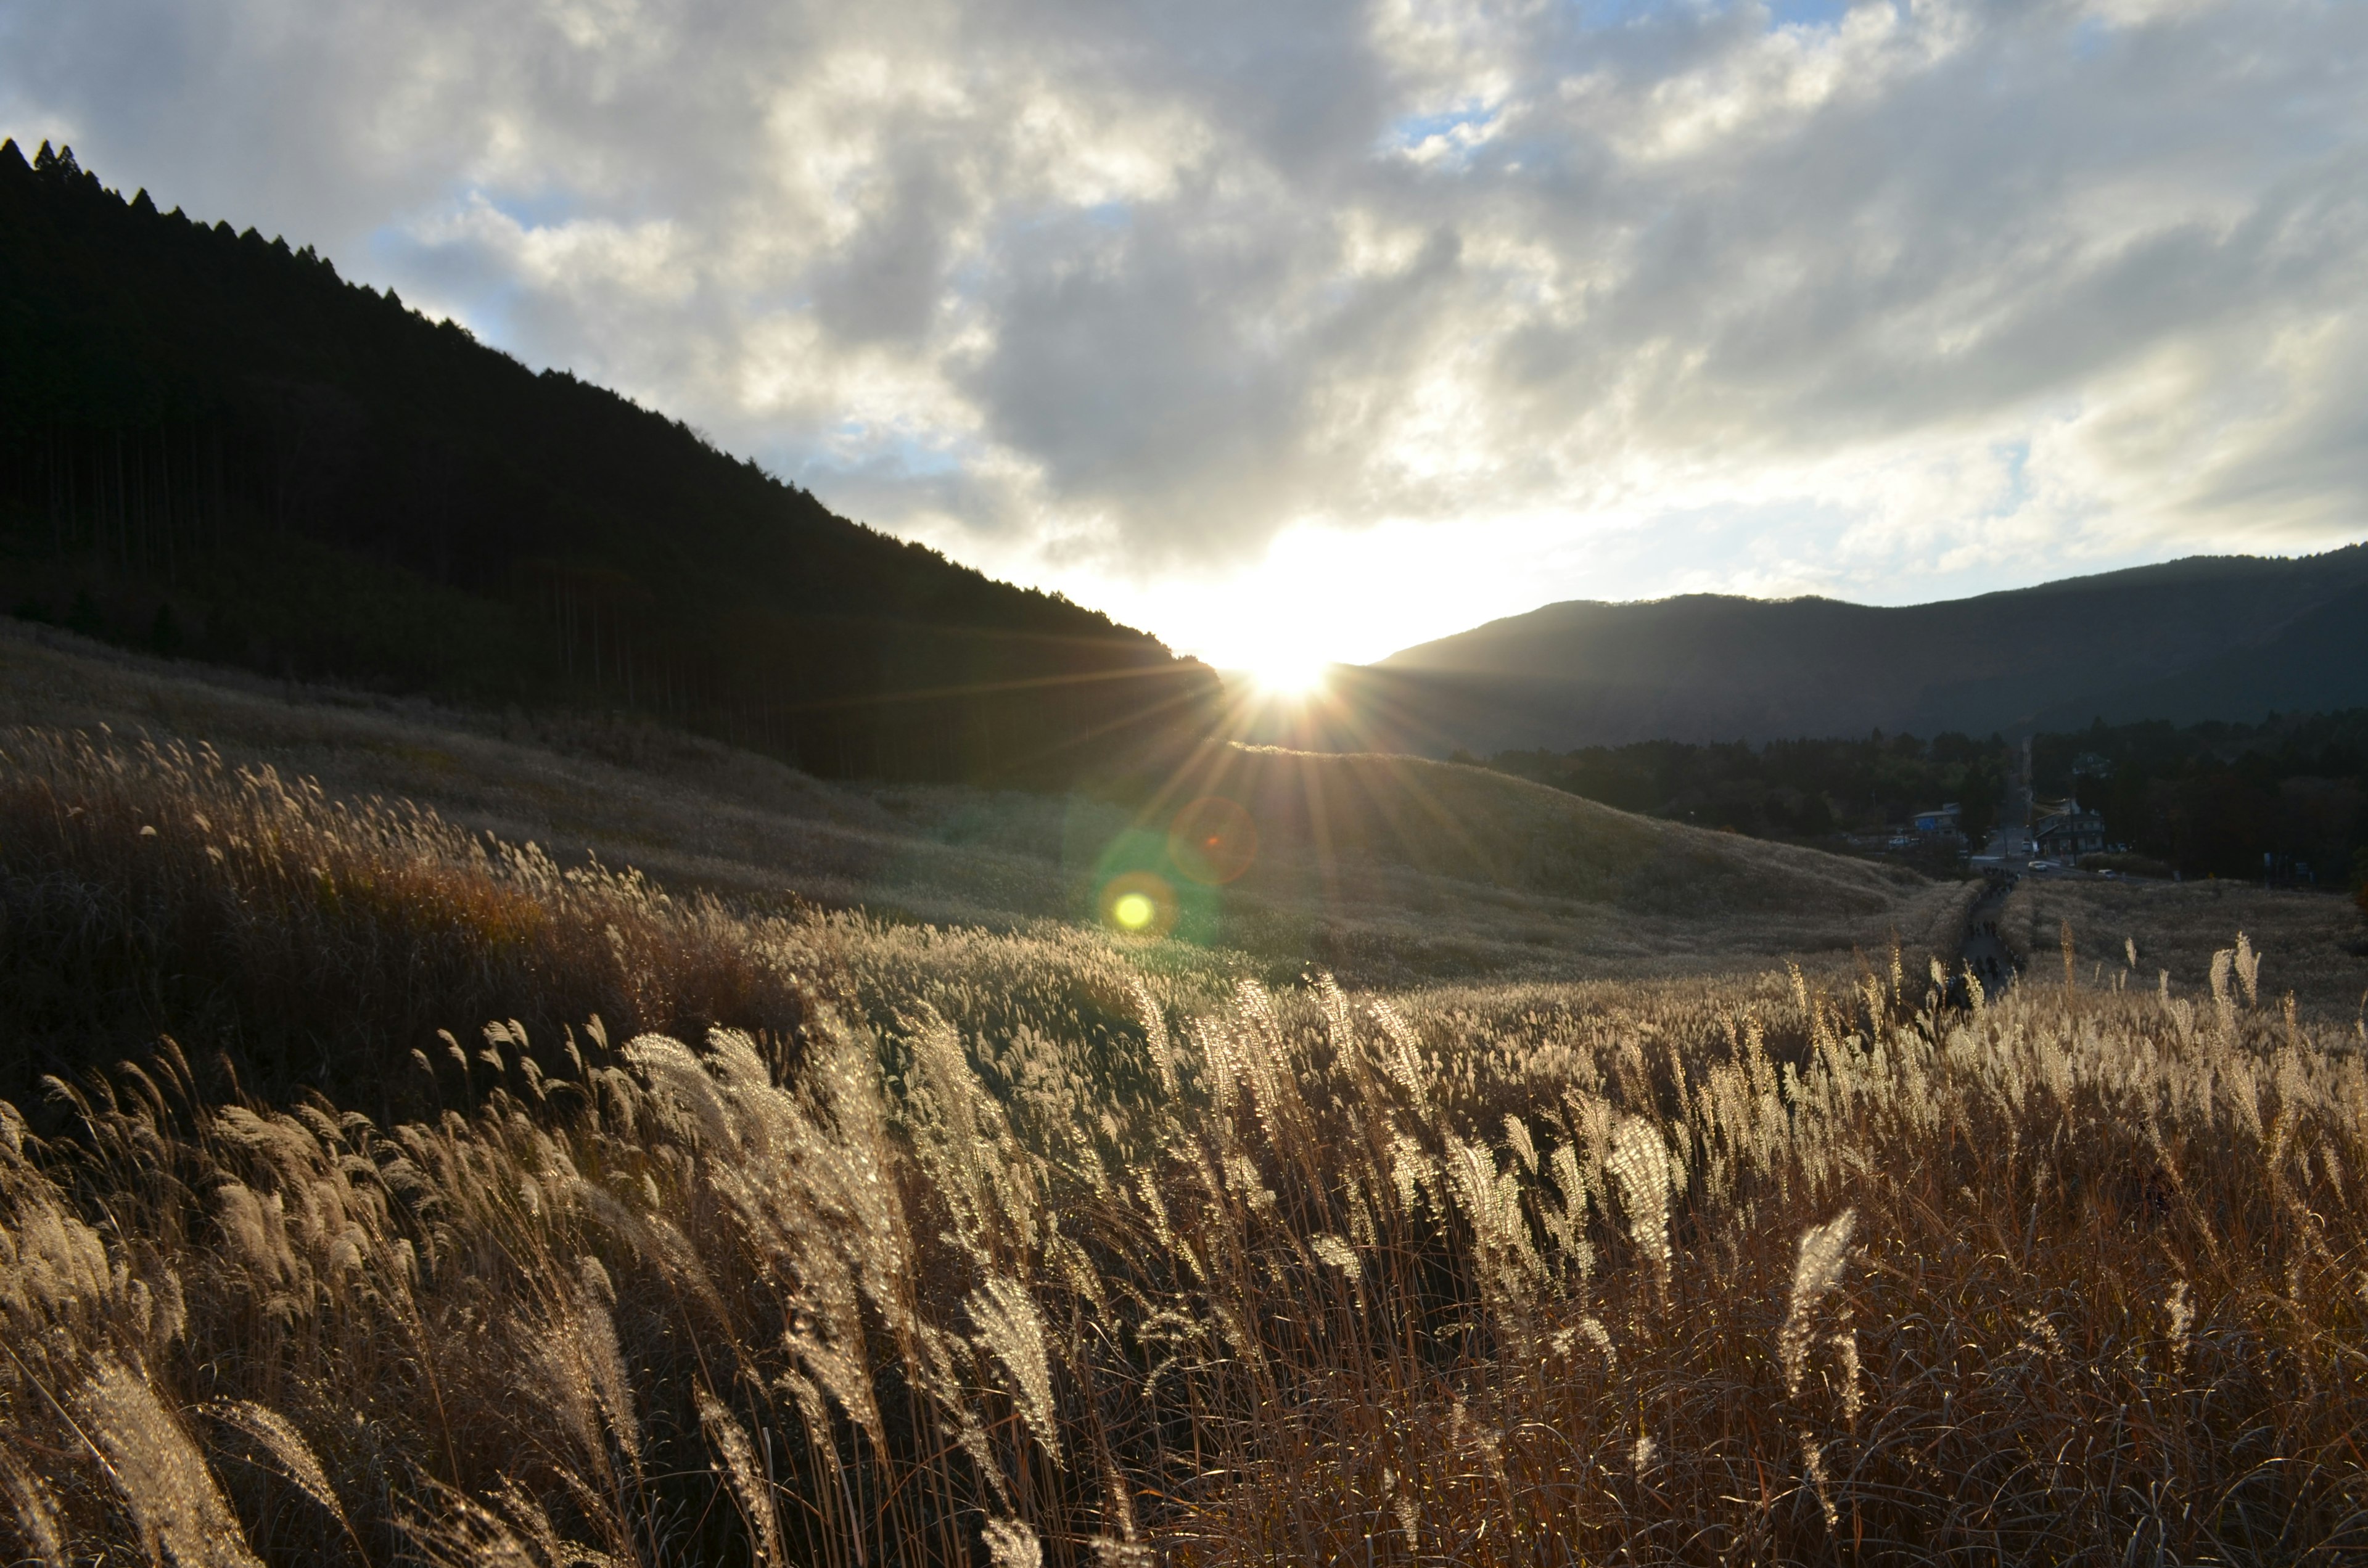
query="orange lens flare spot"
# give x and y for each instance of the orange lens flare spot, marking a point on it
(1212, 840)
(1140, 903)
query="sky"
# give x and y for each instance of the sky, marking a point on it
(1312, 329)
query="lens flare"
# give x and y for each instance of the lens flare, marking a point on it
(1212, 840)
(1139, 902)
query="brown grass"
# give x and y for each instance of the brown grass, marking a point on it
(2314, 939)
(1047, 1246)
(1422, 872)
(150, 889)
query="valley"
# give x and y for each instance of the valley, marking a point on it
(563, 1004)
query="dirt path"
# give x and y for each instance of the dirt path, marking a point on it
(1984, 951)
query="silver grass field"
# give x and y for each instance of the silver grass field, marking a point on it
(880, 1244)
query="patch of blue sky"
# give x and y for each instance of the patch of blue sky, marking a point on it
(458, 280)
(1596, 15)
(457, 276)
(2016, 494)
(793, 298)
(1110, 217)
(1448, 136)
(860, 444)
(543, 208)
(1414, 130)
(1807, 13)
(1785, 547)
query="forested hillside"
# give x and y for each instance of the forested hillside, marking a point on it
(211, 445)
(1803, 790)
(2217, 798)
(2226, 637)
(2203, 799)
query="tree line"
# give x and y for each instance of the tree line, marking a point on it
(212, 444)
(2215, 798)
(1803, 791)
(2209, 799)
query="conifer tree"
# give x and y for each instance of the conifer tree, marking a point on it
(375, 496)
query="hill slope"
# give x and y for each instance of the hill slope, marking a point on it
(1343, 813)
(2209, 637)
(208, 442)
(1386, 870)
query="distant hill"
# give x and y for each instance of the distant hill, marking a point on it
(1349, 816)
(211, 445)
(2229, 638)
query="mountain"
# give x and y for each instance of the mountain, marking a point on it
(2315, 663)
(2225, 637)
(210, 444)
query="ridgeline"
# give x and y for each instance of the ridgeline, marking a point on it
(2211, 637)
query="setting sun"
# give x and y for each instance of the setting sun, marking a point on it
(1289, 675)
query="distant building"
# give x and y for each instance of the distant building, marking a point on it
(1939, 820)
(2069, 833)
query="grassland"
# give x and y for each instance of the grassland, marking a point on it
(952, 1229)
(1381, 869)
(2319, 939)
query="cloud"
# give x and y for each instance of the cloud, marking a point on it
(1877, 296)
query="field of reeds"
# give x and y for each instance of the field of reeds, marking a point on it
(707, 1231)
(1385, 871)
(2320, 939)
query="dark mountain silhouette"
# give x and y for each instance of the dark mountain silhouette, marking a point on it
(2315, 663)
(2231, 637)
(211, 445)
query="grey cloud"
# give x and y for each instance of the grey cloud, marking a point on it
(1163, 366)
(1298, 83)
(1158, 277)
(337, 120)
(1143, 368)
(1810, 278)
(886, 282)
(870, 486)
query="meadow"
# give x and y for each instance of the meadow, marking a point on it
(2322, 946)
(407, 1191)
(1383, 870)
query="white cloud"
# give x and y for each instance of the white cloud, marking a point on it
(1483, 303)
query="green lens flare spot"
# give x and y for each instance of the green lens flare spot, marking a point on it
(1140, 903)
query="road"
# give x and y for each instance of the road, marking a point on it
(1984, 952)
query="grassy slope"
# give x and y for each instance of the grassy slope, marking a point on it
(978, 1244)
(1433, 870)
(1078, 1258)
(1477, 824)
(2316, 942)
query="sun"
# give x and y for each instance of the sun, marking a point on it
(1289, 675)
